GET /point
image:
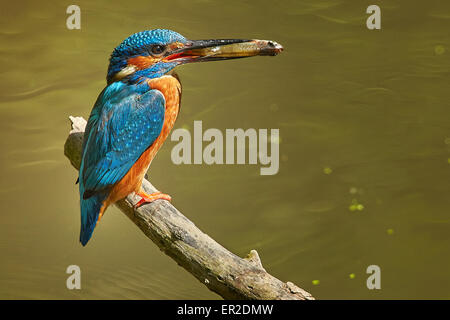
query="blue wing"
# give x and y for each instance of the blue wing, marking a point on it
(124, 122)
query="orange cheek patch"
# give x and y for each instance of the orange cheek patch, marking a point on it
(142, 62)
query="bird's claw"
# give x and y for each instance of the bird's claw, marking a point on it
(147, 198)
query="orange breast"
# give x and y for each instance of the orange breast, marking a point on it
(170, 87)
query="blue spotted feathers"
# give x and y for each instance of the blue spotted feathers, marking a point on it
(124, 122)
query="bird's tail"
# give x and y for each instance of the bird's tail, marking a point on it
(90, 209)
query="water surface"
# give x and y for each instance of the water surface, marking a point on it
(365, 148)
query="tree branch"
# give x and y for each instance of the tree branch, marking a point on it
(220, 270)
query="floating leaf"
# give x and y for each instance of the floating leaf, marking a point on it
(356, 206)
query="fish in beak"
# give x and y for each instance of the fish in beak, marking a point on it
(223, 49)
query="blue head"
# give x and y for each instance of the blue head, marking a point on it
(142, 54)
(153, 53)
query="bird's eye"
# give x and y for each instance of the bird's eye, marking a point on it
(157, 49)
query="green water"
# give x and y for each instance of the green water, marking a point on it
(364, 125)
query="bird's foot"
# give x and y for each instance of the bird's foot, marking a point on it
(147, 198)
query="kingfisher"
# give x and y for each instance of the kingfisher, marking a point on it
(136, 111)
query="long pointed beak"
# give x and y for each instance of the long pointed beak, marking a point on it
(222, 49)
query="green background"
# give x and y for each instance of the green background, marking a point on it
(364, 151)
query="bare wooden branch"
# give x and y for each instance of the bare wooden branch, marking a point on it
(217, 268)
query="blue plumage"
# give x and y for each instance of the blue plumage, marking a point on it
(90, 209)
(124, 122)
(138, 44)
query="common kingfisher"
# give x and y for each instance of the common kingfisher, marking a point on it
(135, 112)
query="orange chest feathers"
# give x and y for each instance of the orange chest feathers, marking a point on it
(170, 87)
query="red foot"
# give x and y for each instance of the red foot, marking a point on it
(147, 198)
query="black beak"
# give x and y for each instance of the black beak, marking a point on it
(222, 49)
